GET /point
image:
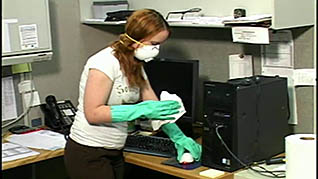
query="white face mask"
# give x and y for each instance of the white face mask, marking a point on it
(147, 52)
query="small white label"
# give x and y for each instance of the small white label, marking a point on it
(35, 98)
(305, 77)
(280, 52)
(68, 112)
(28, 36)
(240, 66)
(226, 161)
(25, 86)
(254, 35)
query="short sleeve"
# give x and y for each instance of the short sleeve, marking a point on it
(105, 62)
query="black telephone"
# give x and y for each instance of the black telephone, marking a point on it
(59, 115)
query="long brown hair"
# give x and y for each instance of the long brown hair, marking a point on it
(140, 25)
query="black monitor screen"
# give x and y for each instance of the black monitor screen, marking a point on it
(178, 77)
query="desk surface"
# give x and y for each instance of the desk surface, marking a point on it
(147, 161)
(44, 155)
(154, 163)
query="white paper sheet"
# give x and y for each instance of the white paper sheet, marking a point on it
(28, 36)
(253, 35)
(280, 51)
(248, 19)
(305, 77)
(34, 95)
(211, 173)
(210, 20)
(12, 151)
(167, 96)
(43, 139)
(9, 106)
(240, 66)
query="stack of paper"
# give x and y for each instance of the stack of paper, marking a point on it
(264, 19)
(43, 139)
(206, 20)
(12, 151)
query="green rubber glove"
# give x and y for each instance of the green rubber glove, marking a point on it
(156, 110)
(182, 142)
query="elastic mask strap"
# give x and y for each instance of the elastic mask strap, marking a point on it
(133, 39)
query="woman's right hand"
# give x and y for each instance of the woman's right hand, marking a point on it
(158, 110)
(153, 110)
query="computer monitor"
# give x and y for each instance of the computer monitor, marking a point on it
(180, 77)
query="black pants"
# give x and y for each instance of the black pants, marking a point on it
(84, 162)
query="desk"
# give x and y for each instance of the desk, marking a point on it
(44, 155)
(147, 161)
(154, 163)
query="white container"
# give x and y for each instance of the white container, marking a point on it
(100, 8)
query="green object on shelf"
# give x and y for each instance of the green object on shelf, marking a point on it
(21, 68)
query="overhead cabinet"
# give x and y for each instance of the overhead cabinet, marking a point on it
(26, 33)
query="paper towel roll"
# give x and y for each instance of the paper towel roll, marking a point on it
(300, 150)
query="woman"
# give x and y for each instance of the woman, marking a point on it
(113, 90)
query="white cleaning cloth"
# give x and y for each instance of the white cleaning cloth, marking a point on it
(167, 96)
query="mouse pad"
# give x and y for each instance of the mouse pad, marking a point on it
(173, 162)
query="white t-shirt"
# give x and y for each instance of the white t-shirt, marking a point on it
(108, 135)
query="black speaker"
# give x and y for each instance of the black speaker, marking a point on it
(245, 120)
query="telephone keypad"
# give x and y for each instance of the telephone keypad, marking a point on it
(68, 120)
(67, 111)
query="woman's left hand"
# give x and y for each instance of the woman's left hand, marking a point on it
(188, 144)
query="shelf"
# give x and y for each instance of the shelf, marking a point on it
(285, 13)
(27, 58)
(172, 24)
(198, 25)
(102, 22)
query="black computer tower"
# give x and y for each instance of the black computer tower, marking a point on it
(250, 115)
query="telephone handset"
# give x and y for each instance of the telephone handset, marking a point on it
(59, 115)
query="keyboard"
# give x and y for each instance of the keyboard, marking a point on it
(150, 145)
